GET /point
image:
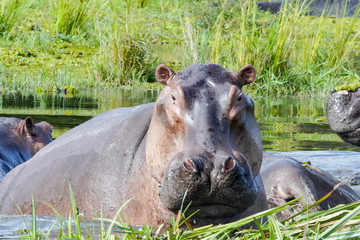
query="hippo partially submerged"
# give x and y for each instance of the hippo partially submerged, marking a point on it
(200, 138)
(286, 179)
(20, 140)
(343, 113)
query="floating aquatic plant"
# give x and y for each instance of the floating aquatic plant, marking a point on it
(351, 87)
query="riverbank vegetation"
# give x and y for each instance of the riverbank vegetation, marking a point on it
(91, 44)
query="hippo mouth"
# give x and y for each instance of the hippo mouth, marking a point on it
(352, 137)
(214, 210)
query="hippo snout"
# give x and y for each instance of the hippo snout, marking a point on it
(215, 185)
(342, 111)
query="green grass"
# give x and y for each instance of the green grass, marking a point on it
(340, 222)
(10, 11)
(110, 43)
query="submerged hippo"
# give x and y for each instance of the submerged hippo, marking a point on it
(20, 140)
(199, 143)
(343, 114)
(286, 179)
(338, 8)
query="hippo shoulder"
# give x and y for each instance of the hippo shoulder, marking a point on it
(286, 179)
(110, 142)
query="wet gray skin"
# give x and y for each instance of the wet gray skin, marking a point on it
(200, 138)
(286, 179)
(215, 180)
(20, 140)
(343, 113)
(219, 130)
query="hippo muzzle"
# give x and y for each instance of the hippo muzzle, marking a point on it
(215, 185)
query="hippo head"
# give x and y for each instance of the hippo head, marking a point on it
(203, 140)
(37, 135)
(343, 113)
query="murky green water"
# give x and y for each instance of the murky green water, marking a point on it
(286, 124)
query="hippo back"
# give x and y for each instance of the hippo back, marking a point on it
(120, 131)
(286, 179)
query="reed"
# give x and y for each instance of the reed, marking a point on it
(125, 49)
(72, 16)
(10, 11)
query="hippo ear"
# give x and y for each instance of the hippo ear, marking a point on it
(29, 126)
(245, 75)
(163, 73)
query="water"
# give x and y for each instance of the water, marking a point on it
(11, 227)
(65, 112)
(290, 124)
(286, 124)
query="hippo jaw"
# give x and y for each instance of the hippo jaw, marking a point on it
(213, 190)
(343, 114)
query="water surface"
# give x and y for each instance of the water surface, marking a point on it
(286, 124)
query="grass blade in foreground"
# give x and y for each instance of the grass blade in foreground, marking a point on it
(340, 223)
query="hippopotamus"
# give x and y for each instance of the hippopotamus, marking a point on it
(198, 145)
(286, 179)
(20, 140)
(343, 114)
(337, 8)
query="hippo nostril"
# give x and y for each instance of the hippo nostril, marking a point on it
(189, 165)
(229, 164)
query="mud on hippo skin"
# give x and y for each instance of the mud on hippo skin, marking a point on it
(343, 113)
(200, 137)
(20, 140)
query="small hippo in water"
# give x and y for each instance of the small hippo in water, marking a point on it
(343, 114)
(198, 144)
(286, 179)
(20, 140)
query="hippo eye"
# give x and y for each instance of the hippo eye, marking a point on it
(173, 97)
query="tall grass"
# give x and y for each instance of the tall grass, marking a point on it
(293, 53)
(10, 11)
(72, 16)
(125, 49)
(289, 50)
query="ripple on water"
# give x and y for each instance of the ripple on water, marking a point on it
(343, 165)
